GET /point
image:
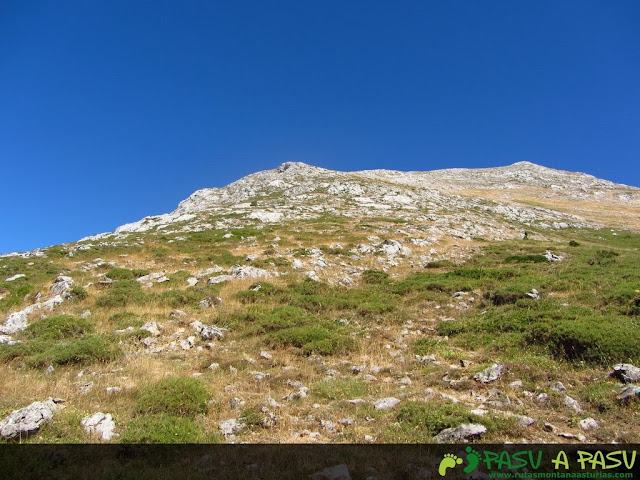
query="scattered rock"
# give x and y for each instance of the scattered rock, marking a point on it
(552, 257)
(147, 280)
(208, 332)
(15, 277)
(588, 424)
(49, 370)
(301, 393)
(572, 403)
(490, 374)
(22, 422)
(425, 359)
(219, 279)
(152, 327)
(101, 424)
(460, 433)
(192, 281)
(187, 343)
(210, 302)
(231, 426)
(86, 388)
(542, 399)
(61, 285)
(626, 373)
(239, 271)
(18, 321)
(386, 403)
(535, 294)
(8, 340)
(524, 420)
(124, 331)
(573, 436)
(266, 355)
(628, 392)
(259, 376)
(113, 390)
(558, 387)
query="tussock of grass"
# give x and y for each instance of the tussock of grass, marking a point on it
(60, 340)
(177, 396)
(162, 428)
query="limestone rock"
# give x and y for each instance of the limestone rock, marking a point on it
(208, 332)
(626, 373)
(628, 392)
(588, 424)
(231, 426)
(61, 285)
(152, 327)
(491, 374)
(386, 403)
(27, 420)
(460, 433)
(101, 424)
(15, 277)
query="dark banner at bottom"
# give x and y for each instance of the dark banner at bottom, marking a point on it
(319, 462)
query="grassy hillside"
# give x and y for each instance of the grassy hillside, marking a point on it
(301, 360)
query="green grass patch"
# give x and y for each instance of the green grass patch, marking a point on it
(177, 396)
(421, 421)
(60, 340)
(162, 428)
(125, 274)
(339, 389)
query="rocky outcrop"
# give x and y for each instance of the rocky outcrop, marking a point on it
(626, 373)
(100, 424)
(23, 422)
(461, 433)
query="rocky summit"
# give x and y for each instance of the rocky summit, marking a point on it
(304, 305)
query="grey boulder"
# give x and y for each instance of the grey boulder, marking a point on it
(460, 433)
(27, 420)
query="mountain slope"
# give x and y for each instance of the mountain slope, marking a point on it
(302, 305)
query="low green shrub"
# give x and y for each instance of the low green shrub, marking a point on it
(122, 293)
(78, 293)
(162, 428)
(526, 258)
(430, 418)
(58, 327)
(178, 396)
(316, 339)
(126, 319)
(375, 277)
(178, 298)
(88, 349)
(118, 273)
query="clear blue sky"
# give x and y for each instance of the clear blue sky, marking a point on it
(114, 110)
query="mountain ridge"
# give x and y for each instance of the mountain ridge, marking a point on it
(293, 179)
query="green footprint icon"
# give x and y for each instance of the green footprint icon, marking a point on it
(449, 461)
(473, 458)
